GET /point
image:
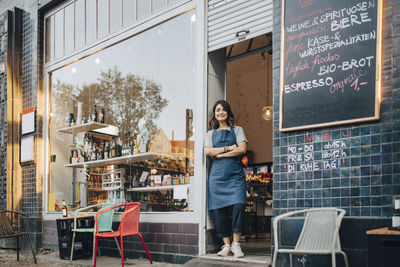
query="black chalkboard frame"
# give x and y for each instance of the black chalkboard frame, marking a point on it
(378, 80)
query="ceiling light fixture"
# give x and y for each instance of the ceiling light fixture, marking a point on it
(266, 113)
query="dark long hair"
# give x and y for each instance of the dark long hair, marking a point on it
(213, 122)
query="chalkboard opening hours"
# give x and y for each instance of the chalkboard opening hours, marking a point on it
(330, 62)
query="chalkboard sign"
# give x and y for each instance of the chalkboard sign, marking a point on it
(330, 62)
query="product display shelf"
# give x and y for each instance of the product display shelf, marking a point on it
(84, 127)
(93, 189)
(155, 188)
(117, 160)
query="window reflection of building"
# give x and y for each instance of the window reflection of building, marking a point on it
(160, 143)
(175, 148)
(185, 155)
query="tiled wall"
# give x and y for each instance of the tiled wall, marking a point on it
(167, 242)
(31, 201)
(367, 173)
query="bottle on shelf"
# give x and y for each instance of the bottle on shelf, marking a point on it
(106, 150)
(64, 209)
(101, 115)
(131, 147)
(101, 153)
(93, 155)
(119, 147)
(94, 114)
(113, 150)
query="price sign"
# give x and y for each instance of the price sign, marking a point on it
(330, 62)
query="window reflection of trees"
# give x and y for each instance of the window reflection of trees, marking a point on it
(126, 99)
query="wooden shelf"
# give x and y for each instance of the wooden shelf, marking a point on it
(383, 231)
(85, 127)
(127, 160)
(96, 190)
(155, 188)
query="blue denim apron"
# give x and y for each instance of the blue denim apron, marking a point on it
(227, 185)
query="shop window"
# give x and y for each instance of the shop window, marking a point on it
(121, 123)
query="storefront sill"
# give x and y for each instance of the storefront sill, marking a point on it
(254, 259)
(149, 217)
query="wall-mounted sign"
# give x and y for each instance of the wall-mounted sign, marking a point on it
(28, 121)
(330, 62)
(27, 149)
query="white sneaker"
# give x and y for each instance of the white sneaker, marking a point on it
(225, 249)
(237, 251)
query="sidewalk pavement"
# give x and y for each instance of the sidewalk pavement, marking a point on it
(46, 258)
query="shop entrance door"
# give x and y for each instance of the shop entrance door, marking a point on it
(242, 74)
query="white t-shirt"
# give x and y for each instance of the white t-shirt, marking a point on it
(240, 137)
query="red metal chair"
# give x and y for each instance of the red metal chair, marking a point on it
(129, 226)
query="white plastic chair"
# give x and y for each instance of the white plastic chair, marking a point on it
(320, 234)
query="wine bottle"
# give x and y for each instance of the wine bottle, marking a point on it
(94, 152)
(94, 115)
(113, 150)
(101, 153)
(64, 209)
(106, 150)
(101, 115)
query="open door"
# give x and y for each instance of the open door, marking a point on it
(216, 91)
(242, 74)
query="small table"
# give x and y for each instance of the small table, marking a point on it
(383, 247)
(83, 241)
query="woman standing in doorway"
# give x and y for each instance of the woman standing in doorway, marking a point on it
(225, 142)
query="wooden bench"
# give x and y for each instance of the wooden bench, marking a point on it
(8, 231)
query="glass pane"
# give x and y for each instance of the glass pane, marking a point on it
(157, 5)
(143, 8)
(102, 18)
(49, 39)
(80, 22)
(69, 28)
(129, 11)
(115, 15)
(59, 34)
(142, 89)
(91, 30)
